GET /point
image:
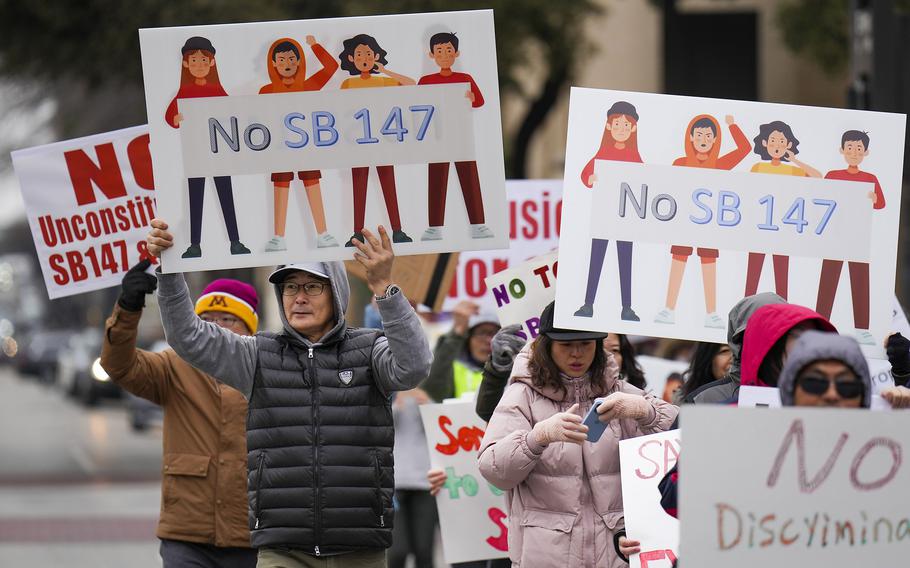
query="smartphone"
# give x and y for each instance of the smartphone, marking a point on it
(595, 426)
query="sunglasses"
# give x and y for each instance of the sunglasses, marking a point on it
(819, 386)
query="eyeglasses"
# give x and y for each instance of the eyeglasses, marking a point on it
(310, 288)
(819, 386)
(224, 321)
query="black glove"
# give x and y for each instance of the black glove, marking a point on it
(136, 284)
(898, 349)
(506, 345)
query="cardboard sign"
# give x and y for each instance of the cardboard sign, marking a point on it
(520, 294)
(472, 512)
(794, 487)
(89, 202)
(535, 207)
(759, 397)
(423, 278)
(644, 463)
(277, 141)
(678, 207)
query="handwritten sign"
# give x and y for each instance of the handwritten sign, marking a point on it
(817, 487)
(644, 463)
(521, 293)
(89, 202)
(472, 514)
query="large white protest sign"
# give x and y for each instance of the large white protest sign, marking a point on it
(702, 222)
(521, 293)
(534, 211)
(89, 202)
(644, 463)
(277, 141)
(794, 487)
(472, 514)
(657, 370)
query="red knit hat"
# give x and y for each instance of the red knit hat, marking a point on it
(231, 296)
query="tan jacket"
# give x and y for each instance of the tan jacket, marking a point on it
(203, 495)
(565, 500)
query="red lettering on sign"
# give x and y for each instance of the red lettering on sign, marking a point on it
(500, 542)
(84, 173)
(468, 438)
(141, 162)
(648, 558)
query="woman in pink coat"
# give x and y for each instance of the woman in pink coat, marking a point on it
(564, 493)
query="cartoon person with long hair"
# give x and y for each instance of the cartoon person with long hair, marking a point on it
(702, 145)
(619, 143)
(199, 78)
(366, 61)
(287, 72)
(776, 144)
(854, 147)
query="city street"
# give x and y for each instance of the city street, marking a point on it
(77, 486)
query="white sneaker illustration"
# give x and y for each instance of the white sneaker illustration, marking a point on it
(665, 315)
(432, 234)
(481, 232)
(276, 244)
(325, 240)
(864, 337)
(713, 320)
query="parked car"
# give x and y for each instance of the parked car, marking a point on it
(80, 374)
(39, 356)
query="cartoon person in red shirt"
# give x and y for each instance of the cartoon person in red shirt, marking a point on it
(199, 78)
(287, 72)
(444, 51)
(620, 143)
(702, 145)
(854, 148)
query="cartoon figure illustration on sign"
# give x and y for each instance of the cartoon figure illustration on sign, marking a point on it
(199, 78)
(702, 144)
(287, 72)
(444, 51)
(854, 148)
(363, 58)
(777, 144)
(620, 143)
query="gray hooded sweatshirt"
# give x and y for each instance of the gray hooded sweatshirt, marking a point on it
(723, 390)
(319, 431)
(815, 346)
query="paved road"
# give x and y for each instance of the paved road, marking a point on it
(77, 487)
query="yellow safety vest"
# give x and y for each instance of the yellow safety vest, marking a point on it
(466, 380)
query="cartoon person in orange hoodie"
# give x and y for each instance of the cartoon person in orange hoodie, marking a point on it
(702, 143)
(287, 71)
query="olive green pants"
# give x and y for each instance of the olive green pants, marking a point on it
(291, 558)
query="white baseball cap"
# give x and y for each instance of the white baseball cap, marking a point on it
(283, 271)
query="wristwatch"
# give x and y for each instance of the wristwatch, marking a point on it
(390, 291)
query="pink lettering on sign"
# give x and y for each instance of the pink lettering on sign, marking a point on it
(468, 438)
(652, 556)
(797, 433)
(667, 455)
(500, 542)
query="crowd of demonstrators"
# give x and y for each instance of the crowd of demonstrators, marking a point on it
(564, 495)
(203, 520)
(319, 449)
(710, 362)
(626, 358)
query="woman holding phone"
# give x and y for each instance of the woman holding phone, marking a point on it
(564, 492)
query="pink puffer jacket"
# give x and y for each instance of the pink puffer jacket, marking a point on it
(565, 500)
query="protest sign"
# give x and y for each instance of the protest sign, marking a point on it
(657, 370)
(671, 220)
(521, 293)
(424, 279)
(758, 397)
(793, 487)
(644, 462)
(899, 322)
(275, 140)
(534, 210)
(89, 202)
(472, 512)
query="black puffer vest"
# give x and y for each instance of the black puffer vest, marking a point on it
(320, 436)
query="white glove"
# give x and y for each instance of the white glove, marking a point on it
(562, 427)
(624, 405)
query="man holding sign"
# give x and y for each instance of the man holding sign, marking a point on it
(320, 429)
